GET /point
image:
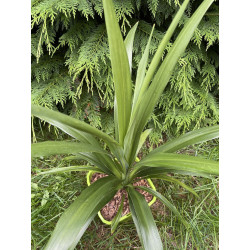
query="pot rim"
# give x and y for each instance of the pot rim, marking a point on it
(127, 216)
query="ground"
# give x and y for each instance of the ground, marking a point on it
(52, 194)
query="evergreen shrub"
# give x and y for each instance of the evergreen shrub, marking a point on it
(71, 70)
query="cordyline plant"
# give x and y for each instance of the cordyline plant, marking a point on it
(131, 114)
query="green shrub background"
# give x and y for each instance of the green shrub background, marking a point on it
(71, 70)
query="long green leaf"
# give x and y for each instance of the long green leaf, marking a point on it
(73, 158)
(80, 135)
(88, 138)
(171, 179)
(116, 120)
(158, 54)
(66, 122)
(103, 158)
(81, 212)
(146, 172)
(116, 220)
(60, 120)
(176, 163)
(108, 166)
(96, 159)
(166, 202)
(143, 138)
(61, 147)
(85, 138)
(145, 106)
(69, 169)
(69, 124)
(144, 221)
(139, 87)
(120, 69)
(129, 41)
(194, 137)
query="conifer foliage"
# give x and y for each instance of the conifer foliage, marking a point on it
(71, 62)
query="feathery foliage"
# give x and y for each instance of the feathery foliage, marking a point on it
(71, 70)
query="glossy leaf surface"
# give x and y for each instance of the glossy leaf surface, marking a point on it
(61, 147)
(175, 163)
(129, 41)
(143, 110)
(69, 169)
(108, 166)
(141, 71)
(80, 213)
(143, 138)
(66, 122)
(191, 138)
(120, 69)
(61, 120)
(166, 202)
(159, 53)
(174, 180)
(144, 221)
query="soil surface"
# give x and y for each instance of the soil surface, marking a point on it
(109, 211)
